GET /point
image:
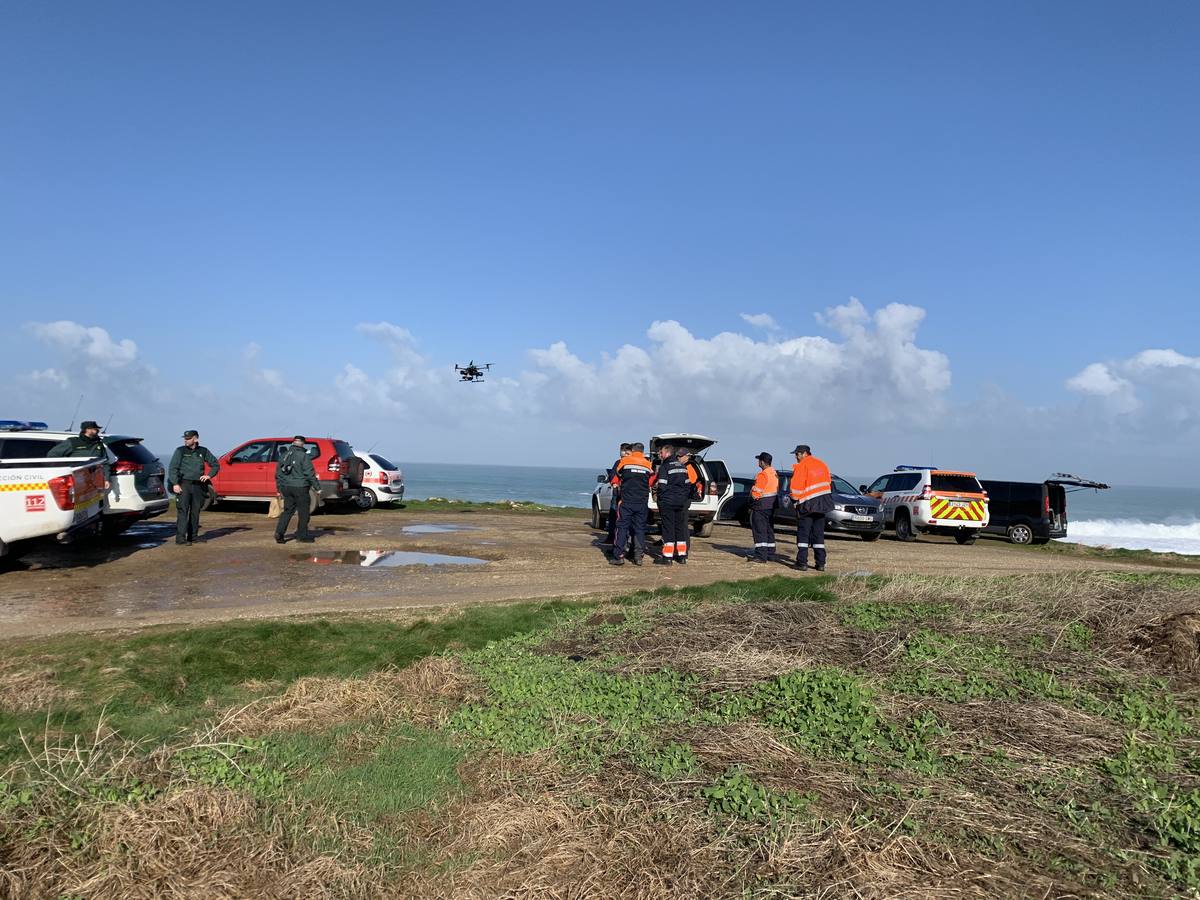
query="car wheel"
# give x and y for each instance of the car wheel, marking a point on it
(366, 499)
(904, 529)
(1020, 534)
(965, 537)
(599, 520)
(872, 536)
(703, 528)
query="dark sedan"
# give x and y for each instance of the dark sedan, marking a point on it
(852, 512)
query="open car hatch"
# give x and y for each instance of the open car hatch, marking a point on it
(697, 443)
(1074, 481)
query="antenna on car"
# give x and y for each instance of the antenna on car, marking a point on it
(78, 403)
(106, 421)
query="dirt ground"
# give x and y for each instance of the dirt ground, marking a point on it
(237, 571)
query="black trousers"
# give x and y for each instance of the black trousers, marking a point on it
(614, 510)
(631, 525)
(295, 500)
(810, 532)
(187, 509)
(674, 531)
(762, 528)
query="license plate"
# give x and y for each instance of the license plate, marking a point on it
(862, 518)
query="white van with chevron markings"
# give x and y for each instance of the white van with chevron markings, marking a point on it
(928, 500)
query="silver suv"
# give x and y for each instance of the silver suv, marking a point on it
(702, 514)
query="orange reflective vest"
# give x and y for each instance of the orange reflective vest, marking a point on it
(766, 484)
(810, 479)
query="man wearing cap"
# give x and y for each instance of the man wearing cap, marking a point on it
(189, 482)
(762, 509)
(294, 477)
(87, 443)
(812, 492)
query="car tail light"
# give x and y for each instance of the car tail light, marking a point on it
(1047, 506)
(127, 467)
(62, 489)
(335, 464)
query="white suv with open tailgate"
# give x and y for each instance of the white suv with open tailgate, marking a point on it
(703, 512)
(927, 500)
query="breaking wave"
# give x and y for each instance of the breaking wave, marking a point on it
(1134, 534)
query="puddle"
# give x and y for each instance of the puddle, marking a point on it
(423, 528)
(385, 559)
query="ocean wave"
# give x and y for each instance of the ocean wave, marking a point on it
(1134, 534)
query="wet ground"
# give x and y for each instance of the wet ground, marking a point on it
(387, 559)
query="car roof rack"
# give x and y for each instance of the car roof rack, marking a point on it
(17, 425)
(915, 468)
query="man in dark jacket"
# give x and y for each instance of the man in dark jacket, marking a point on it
(763, 495)
(294, 478)
(614, 502)
(674, 487)
(87, 443)
(188, 481)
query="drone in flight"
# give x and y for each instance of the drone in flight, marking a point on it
(472, 372)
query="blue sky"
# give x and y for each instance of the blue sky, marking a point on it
(236, 189)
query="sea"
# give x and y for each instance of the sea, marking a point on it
(1165, 520)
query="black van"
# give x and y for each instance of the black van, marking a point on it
(1031, 512)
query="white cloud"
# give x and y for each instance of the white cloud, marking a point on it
(1148, 391)
(48, 378)
(761, 320)
(1099, 380)
(91, 343)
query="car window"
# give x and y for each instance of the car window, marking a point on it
(26, 448)
(842, 486)
(342, 449)
(905, 481)
(962, 484)
(384, 463)
(132, 451)
(256, 452)
(313, 449)
(879, 485)
(716, 470)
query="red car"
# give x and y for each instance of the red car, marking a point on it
(248, 471)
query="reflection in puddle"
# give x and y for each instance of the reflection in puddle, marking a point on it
(385, 558)
(423, 528)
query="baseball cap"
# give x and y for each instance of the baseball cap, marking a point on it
(191, 432)
(802, 448)
(89, 424)
(765, 457)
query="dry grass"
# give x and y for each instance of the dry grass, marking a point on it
(24, 689)
(423, 693)
(532, 830)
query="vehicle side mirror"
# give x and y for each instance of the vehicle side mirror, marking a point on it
(600, 479)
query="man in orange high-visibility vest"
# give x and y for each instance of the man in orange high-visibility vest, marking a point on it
(812, 492)
(762, 509)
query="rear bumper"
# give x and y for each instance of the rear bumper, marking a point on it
(395, 491)
(338, 491)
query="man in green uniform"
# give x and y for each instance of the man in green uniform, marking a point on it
(189, 483)
(294, 477)
(87, 443)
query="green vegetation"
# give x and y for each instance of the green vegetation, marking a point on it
(738, 739)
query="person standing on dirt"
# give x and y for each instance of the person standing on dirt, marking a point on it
(634, 471)
(614, 502)
(812, 492)
(294, 478)
(674, 488)
(189, 483)
(762, 509)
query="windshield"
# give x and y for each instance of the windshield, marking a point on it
(384, 463)
(842, 486)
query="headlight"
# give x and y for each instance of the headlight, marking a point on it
(839, 507)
